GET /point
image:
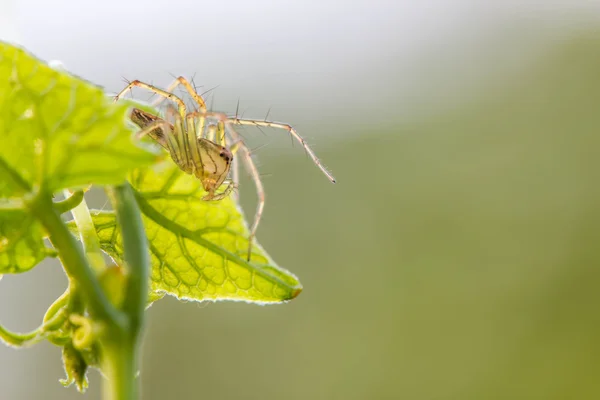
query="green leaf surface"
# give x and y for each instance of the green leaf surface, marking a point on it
(21, 242)
(198, 248)
(59, 130)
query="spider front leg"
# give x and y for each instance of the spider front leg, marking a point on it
(235, 177)
(293, 132)
(255, 175)
(270, 124)
(159, 124)
(190, 89)
(180, 104)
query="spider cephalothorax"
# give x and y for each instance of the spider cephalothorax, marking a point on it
(203, 143)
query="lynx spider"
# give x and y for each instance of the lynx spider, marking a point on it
(205, 136)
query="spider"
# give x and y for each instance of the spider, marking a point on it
(203, 143)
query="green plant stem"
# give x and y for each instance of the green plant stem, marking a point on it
(87, 231)
(120, 340)
(57, 305)
(18, 339)
(27, 339)
(120, 348)
(118, 364)
(71, 201)
(136, 254)
(74, 261)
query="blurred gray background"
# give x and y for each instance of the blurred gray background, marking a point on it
(458, 256)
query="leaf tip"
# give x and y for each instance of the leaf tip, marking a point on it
(296, 292)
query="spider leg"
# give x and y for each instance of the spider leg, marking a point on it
(214, 133)
(192, 140)
(163, 93)
(235, 163)
(235, 146)
(211, 132)
(270, 124)
(235, 176)
(176, 143)
(230, 187)
(293, 132)
(162, 131)
(221, 134)
(148, 129)
(151, 129)
(190, 89)
(200, 124)
(260, 190)
(182, 154)
(143, 119)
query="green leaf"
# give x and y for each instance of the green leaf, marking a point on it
(21, 242)
(198, 248)
(59, 130)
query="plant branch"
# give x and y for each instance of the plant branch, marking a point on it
(87, 231)
(120, 351)
(58, 305)
(19, 339)
(74, 261)
(15, 339)
(118, 365)
(71, 201)
(136, 254)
